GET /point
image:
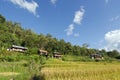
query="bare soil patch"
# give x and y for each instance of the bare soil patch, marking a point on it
(8, 73)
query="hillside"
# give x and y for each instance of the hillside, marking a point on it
(13, 34)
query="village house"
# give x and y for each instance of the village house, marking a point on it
(17, 48)
(96, 56)
(43, 52)
(57, 55)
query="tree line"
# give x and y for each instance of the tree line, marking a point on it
(13, 34)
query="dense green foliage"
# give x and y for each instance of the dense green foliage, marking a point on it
(30, 66)
(13, 34)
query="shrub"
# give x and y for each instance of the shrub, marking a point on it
(118, 57)
(32, 51)
(37, 77)
(42, 60)
(76, 58)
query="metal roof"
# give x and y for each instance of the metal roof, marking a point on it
(20, 47)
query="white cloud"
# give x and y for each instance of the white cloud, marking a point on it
(79, 15)
(53, 1)
(113, 40)
(70, 29)
(106, 1)
(114, 18)
(30, 6)
(77, 20)
(76, 34)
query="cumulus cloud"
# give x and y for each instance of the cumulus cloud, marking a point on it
(113, 40)
(114, 18)
(30, 6)
(76, 34)
(77, 20)
(53, 1)
(70, 29)
(106, 1)
(79, 15)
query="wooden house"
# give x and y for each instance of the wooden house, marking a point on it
(43, 52)
(96, 56)
(57, 55)
(17, 48)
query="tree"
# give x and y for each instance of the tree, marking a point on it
(103, 52)
(68, 48)
(85, 45)
(42, 41)
(61, 46)
(76, 50)
(113, 53)
(2, 19)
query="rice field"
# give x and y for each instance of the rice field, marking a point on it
(60, 70)
(55, 69)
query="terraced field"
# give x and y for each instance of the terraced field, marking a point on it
(60, 70)
(55, 69)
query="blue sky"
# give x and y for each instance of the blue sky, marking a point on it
(96, 22)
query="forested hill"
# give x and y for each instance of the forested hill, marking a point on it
(13, 34)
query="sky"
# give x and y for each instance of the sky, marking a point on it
(95, 22)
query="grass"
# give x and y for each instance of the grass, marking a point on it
(54, 69)
(60, 70)
(76, 58)
(12, 69)
(19, 67)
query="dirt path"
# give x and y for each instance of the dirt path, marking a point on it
(8, 73)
